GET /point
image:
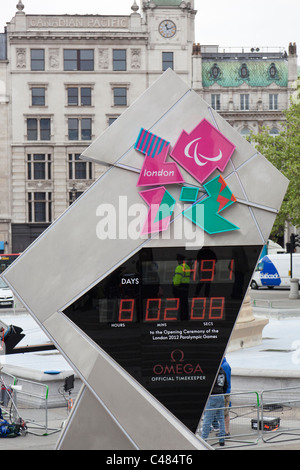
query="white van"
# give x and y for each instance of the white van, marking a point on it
(274, 270)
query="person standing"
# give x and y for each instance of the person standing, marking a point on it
(215, 408)
(181, 284)
(227, 369)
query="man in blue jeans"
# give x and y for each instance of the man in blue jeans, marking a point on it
(215, 408)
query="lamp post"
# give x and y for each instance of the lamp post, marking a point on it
(73, 192)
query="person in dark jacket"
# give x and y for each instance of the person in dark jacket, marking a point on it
(215, 407)
(181, 284)
(227, 370)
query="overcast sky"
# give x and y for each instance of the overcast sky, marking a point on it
(228, 23)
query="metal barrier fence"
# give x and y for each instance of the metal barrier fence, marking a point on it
(29, 397)
(280, 414)
(269, 416)
(240, 418)
(28, 400)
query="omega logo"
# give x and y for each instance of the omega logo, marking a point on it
(177, 366)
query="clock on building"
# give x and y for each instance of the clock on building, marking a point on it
(167, 28)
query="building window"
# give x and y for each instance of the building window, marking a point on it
(37, 59)
(244, 102)
(245, 132)
(120, 96)
(73, 129)
(78, 59)
(274, 132)
(86, 96)
(80, 129)
(40, 207)
(39, 166)
(38, 96)
(73, 96)
(32, 129)
(111, 120)
(167, 61)
(38, 129)
(79, 96)
(216, 102)
(45, 129)
(119, 60)
(273, 101)
(78, 169)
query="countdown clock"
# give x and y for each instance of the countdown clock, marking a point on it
(112, 302)
(167, 28)
(170, 339)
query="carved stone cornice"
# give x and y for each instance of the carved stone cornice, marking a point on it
(253, 115)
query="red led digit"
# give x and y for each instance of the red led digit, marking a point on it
(169, 309)
(207, 268)
(194, 271)
(153, 311)
(198, 303)
(126, 310)
(216, 308)
(231, 269)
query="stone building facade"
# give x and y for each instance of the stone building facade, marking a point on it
(64, 79)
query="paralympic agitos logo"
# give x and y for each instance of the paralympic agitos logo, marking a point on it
(177, 368)
(199, 153)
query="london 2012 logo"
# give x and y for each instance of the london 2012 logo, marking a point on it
(199, 153)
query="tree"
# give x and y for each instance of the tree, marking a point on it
(283, 151)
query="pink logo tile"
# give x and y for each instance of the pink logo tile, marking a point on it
(161, 205)
(155, 170)
(202, 151)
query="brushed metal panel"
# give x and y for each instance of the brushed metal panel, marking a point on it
(149, 414)
(144, 112)
(71, 343)
(263, 183)
(265, 220)
(91, 427)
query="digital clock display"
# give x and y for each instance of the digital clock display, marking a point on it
(186, 287)
(156, 310)
(166, 315)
